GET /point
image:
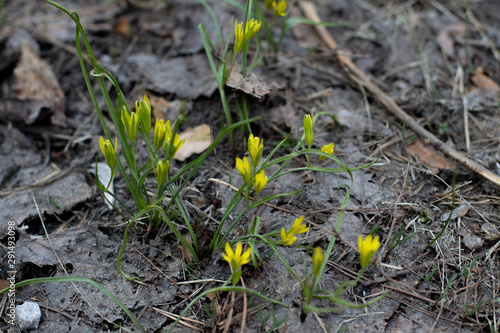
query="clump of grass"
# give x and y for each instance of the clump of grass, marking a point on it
(255, 172)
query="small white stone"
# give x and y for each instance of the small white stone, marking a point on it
(28, 316)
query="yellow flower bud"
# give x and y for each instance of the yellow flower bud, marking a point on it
(109, 151)
(367, 248)
(160, 133)
(327, 149)
(280, 8)
(143, 108)
(308, 129)
(260, 181)
(161, 171)
(255, 146)
(176, 145)
(317, 261)
(244, 169)
(131, 123)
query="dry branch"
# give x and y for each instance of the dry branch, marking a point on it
(359, 79)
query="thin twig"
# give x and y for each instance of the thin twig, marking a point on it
(358, 78)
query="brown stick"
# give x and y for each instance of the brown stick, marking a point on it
(358, 78)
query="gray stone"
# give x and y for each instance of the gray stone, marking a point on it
(28, 316)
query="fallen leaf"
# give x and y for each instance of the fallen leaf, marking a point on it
(123, 27)
(459, 211)
(160, 107)
(483, 93)
(36, 89)
(482, 81)
(428, 157)
(471, 241)
(198, 139)
(250, 84)
(445, 37)
(214, 300)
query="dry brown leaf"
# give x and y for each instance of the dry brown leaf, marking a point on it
(198, 139)
(445, 37)
(169, 110)
(123, 27)
(250, 85)
(428, 157)
(214, 299)
(36, 88)
(482, 81)
(160, 107)
(471, 241)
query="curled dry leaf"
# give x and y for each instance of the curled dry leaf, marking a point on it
(483, 92)
(429, 157)
(198, 139)
(471, 241)
(250, 84)
(445, 37)
(482, 81)
(123, 27)
(36, 88)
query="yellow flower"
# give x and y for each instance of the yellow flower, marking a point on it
(244, 169)
(176, 145)
(131, 123)
(161, 171)
(280, 8)
(255, 145)
(260, 181)
(269, 4)
(289, 237)
(160, 132)
(327, 149)
(143, 108)
(367, 249)
(109, 151)
(317, 261)
(236, 259)
(308, 129)
(251, 28)
(241, 36)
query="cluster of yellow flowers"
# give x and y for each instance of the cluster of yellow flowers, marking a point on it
(163, 137)
(279, 8)
(255, 146)
(242, 36)
(367, 249)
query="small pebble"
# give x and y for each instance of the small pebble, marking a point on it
(28, 316)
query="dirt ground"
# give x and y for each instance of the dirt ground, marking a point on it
(437, 60)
